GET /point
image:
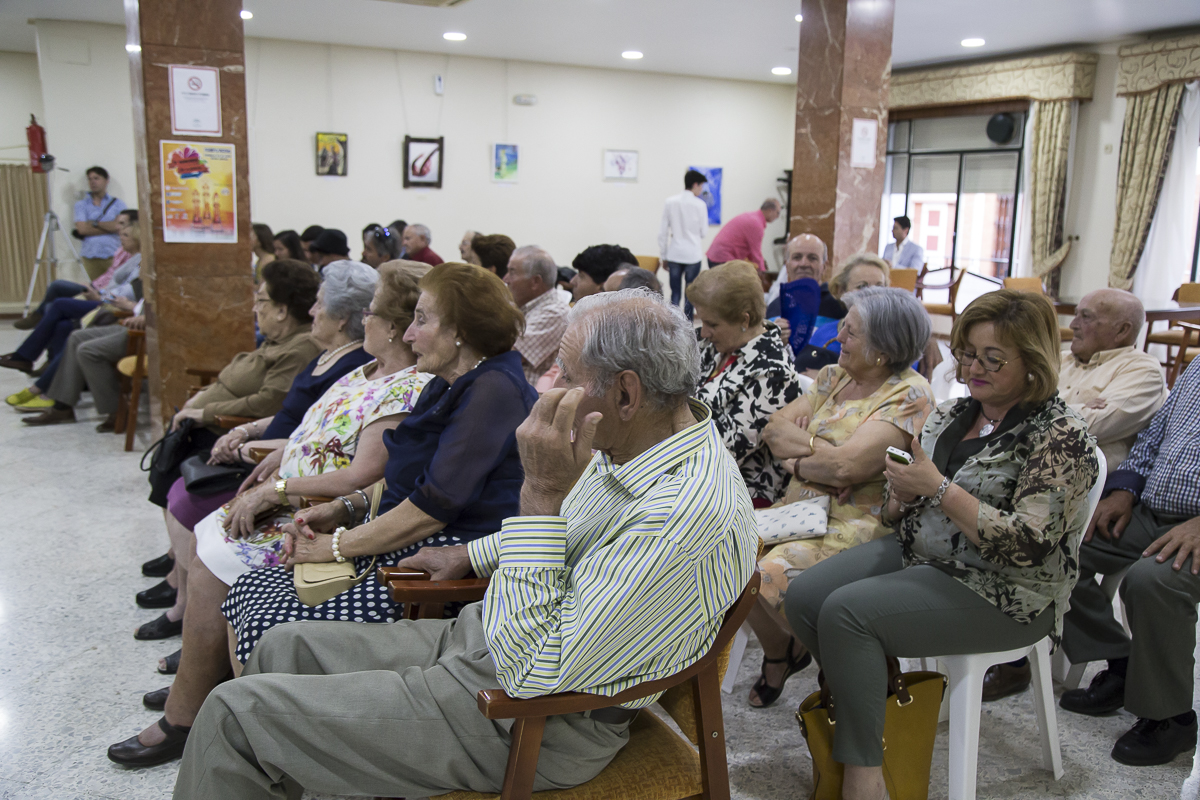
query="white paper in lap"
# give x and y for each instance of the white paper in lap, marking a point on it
(806, 519)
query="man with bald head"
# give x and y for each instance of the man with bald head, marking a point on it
(1116, 388)
(807, 256)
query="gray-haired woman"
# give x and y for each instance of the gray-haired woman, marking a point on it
(833, 441)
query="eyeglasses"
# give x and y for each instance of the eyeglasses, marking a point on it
(368, 313)
(261, 299)
(989, 363)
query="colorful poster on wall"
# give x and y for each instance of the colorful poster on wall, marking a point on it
(332, 151)
(199, 192)
(505, 162)
(712, 192)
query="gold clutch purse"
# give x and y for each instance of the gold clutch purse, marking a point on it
(319, 583)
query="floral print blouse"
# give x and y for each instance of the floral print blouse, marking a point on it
(759, 381)
(1032, 481)
(328, 435)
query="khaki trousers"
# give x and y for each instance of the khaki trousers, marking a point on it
(90, 360)
(95, 267)
(379, 710)
(1160, 603)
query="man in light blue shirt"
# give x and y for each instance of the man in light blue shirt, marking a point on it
(905, 253)
(96, 224)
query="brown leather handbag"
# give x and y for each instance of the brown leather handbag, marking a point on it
(909, 728)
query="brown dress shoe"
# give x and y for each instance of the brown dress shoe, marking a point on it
(51, 416)
(28, 323)
(1002, 680)
(14, 361)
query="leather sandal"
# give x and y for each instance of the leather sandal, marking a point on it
(156, 700)
(159, 628)
(132, 753)
(172, 663)
(767, 693)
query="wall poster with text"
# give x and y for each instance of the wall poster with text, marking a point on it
(199, 192)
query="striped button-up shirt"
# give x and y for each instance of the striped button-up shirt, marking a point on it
(1163, 468)
(545, 324)
(632, 582)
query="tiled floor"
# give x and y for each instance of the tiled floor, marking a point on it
(72, 675)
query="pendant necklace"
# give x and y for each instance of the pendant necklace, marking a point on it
(986, 430)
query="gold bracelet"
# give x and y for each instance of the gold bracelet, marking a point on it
(281, 490)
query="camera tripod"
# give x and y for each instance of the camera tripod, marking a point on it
(50, 226)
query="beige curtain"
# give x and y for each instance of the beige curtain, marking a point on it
(1146, 139)
(1051, 145)
(22, 209)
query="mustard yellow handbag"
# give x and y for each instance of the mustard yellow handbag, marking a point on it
(318, 583)
(909, 728)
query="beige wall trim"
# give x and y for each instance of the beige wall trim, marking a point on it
(1062, 76)
(1148, 65)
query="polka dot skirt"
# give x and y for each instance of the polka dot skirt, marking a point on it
(264, 598)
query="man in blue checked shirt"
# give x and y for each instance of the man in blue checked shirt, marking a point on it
(1148, 523)
(619, 571)
(96, 224)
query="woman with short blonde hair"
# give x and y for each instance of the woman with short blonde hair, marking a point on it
(845, 280)
(746, 372)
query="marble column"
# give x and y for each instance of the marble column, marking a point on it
(843, 73)
(199, 296)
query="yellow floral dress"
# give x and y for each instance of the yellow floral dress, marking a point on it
(904, 400)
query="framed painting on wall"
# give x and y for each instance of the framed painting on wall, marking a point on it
(332, 149)
(423, 159)
(712, 192)
(620, 165)
(505, 163)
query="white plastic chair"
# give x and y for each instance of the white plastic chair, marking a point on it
(966, 694)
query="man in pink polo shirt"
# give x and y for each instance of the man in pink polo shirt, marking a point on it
(741, 238)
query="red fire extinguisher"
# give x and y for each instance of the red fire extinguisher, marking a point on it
(36, 135)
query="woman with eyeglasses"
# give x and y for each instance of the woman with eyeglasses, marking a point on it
(989, 518)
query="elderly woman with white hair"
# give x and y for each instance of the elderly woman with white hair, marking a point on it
(833, 441)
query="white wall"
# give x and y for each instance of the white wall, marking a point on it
(377, 96)
(1091, 201)
(20, 96)
(88, 105)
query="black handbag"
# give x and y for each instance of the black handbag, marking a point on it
(165, 456)
(204, 479)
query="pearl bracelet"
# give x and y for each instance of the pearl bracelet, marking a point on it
(337, 553)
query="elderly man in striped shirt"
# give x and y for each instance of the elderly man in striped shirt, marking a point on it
(618, 571)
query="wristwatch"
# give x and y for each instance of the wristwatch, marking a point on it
(281, 490)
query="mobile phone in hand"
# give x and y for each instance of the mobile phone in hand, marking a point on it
(899, 456)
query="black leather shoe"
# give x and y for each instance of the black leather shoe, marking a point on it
(1105, 695)
(156, 701)
(1151, 742)
(159, 628)
(132, 753)
(159, 567)
(160, 595)
(1003, 680)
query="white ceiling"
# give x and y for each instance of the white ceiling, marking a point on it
(740, 39)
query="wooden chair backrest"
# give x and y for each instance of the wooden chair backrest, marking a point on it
(904, 279)
(1188, 293)
(648, 262)
(1031, 285)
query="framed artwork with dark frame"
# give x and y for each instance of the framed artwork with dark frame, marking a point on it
(332, 150)
(423, 159)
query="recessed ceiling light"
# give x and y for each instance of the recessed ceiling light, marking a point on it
(133, 48)
(799, 18)
(633, 55)
(246, 14)
(973, 43)
(454, 36)
(781, 71)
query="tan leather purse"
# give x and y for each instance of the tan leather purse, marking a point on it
(909, 728)
(319, 583)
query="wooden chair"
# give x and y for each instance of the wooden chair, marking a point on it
(1187, 349)
(656, 764)
(648, 262)
(941, 309)
(904, 279)
(1173, 336)
(1035, 286)
(132, 369)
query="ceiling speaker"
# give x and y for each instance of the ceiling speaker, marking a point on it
(1001, 127)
